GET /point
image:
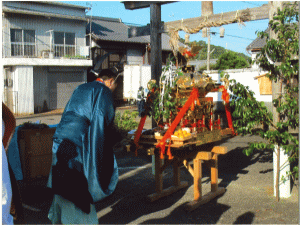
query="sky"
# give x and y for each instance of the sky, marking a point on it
(236, 38)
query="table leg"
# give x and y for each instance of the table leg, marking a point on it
(160, 192)
(197, 179)
(214, 173)
(158, 174)
(176, 172)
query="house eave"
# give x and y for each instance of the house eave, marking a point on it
(28, 12)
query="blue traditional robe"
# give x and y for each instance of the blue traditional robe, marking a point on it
(88, 160)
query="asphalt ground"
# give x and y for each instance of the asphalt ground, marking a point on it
(248, 198)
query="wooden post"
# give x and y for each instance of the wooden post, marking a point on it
(197, 179)
(155, 42)
(158, 173)
(176, 171)
(214, 173)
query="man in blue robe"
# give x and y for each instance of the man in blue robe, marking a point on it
(84, 168)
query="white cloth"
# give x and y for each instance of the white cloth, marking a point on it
(6, 187)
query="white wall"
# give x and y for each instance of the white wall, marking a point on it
(23, 81)
(253, 57)
(245, 77)
(134, 77)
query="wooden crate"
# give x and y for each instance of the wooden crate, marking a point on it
(35, 147)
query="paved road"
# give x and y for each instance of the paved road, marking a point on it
(248, 197)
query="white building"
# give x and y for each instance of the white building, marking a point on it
(39, 40)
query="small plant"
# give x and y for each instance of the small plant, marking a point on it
(75, 56)
(126, 121)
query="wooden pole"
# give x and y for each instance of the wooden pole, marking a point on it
(208, 48)
(155, 42)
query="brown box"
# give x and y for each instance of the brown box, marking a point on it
(36, 152)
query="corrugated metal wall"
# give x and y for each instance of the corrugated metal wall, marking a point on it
(62, 83)
(24, 80)
(134, 77)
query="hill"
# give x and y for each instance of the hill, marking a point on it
(202, 55)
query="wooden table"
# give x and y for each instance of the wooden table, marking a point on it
(205, 152)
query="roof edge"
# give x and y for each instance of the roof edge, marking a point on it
(108, 19)
(28, 12)
(60, 3)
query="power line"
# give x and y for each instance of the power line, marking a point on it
(251, 3)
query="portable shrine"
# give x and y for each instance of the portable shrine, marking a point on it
(189, 133)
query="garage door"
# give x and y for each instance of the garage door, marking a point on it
(62, 86)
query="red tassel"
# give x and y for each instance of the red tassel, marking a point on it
(169, 152)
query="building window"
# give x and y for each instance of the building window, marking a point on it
(22, 42)
(64, 44)
(114, 60)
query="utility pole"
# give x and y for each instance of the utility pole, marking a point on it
(90, 20)
(208, 48)
(207, 10)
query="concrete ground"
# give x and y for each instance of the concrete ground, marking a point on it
(248, 197)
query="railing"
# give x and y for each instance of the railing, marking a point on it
(64, 50)
(31, 50)
(19, 49)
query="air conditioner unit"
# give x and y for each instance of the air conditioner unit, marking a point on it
(45, 54)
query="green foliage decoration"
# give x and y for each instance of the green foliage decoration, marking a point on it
(249, 114)
(169, 105)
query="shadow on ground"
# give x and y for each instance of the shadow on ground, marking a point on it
(128, 203)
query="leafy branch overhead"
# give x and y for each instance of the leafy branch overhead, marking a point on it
(279, 58)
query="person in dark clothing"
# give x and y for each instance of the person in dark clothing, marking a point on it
(84, 169)
(141, 100)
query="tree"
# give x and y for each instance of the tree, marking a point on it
(231, 60)
(218, 51)
(277, 57)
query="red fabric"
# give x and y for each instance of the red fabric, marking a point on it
(187, 53)
(138, 133)
(193, 96)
